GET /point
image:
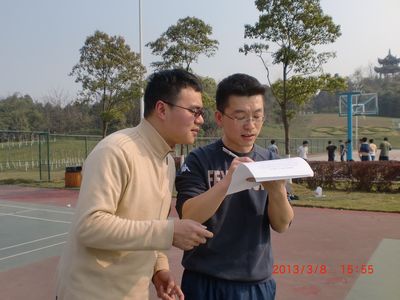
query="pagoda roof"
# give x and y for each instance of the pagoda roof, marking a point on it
(387, 69)
(389, 60)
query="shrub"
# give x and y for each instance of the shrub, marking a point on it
(369, 176)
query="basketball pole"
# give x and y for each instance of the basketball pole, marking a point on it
(349, 107)
(349, 126)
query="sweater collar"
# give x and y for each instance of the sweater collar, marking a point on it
(156, 142)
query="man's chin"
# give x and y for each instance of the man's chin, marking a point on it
(188, 141)
(248, 142)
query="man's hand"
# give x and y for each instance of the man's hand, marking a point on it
(166, 287)
(189, 234)
(234, 164)
(275, 187)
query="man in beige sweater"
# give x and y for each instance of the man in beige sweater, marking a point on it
(114, 249)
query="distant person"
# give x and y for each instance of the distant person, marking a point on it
(363, 150)
(121, 229)
(348, 145)
(372, 149)
(302, 151)
(331, 148)
(342, 150)
(273, 147)
(385, 147)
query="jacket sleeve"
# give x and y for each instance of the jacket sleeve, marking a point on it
(106, 174)
(161, 262)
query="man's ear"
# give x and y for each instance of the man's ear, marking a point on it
(160, 110)
(218, 118)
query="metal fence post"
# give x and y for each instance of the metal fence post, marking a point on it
(48, 155)
(86, 149)
(40, 157)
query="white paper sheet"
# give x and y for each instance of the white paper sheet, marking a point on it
(248, 175)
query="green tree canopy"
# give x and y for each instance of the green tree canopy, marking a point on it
(291, 30)
(182, 44)
(111, 74)
(19, 112)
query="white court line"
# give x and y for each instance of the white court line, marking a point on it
(34, 218)
(26, 252)
(23, 211)
(34, 241)
(42, 209)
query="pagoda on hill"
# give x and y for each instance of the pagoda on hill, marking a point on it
(390, 66)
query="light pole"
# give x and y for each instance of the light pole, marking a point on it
(141, 56)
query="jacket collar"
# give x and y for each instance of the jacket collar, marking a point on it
(153, 139)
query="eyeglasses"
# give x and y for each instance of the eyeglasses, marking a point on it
(197, 111)
(242, 120)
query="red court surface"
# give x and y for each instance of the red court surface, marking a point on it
(321, 256)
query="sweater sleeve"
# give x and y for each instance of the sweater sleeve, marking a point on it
(161, 262)
(106, 175)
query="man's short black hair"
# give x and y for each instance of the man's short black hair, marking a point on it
(166, 85)
(239, 85)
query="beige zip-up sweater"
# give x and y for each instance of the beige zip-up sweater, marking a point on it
(120, 223)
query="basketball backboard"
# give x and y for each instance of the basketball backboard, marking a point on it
(362, 104)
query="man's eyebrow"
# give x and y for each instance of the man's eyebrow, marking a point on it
(245, 111)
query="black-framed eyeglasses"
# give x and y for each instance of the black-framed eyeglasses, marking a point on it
(197, 111)
(245, 119)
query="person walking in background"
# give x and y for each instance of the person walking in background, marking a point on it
(372, 149)
(331, 148)
(347, 144)
(273, 147)
(342, 150)
(302, 151)
(385, 147)
(363, 150)
(237, 262)
(120, 230)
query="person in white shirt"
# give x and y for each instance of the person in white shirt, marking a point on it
(302, 151)
(372, 149)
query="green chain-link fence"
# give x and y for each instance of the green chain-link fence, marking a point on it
(41, 156)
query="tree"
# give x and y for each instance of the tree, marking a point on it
(20, 113)
(182, 44)
(294, 28)
(111, 74)
(209, 128)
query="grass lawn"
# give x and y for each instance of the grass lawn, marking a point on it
(347, 200)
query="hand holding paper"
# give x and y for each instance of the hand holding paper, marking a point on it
(248, 175)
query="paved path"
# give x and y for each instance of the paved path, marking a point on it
(326, 254)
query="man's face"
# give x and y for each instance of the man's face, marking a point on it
(241, 122)
(183, 124)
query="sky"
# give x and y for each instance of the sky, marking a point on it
(40, 39)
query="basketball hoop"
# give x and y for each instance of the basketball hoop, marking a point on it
(356, 104)
(362, 104)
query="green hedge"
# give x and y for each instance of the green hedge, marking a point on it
(368, 176)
